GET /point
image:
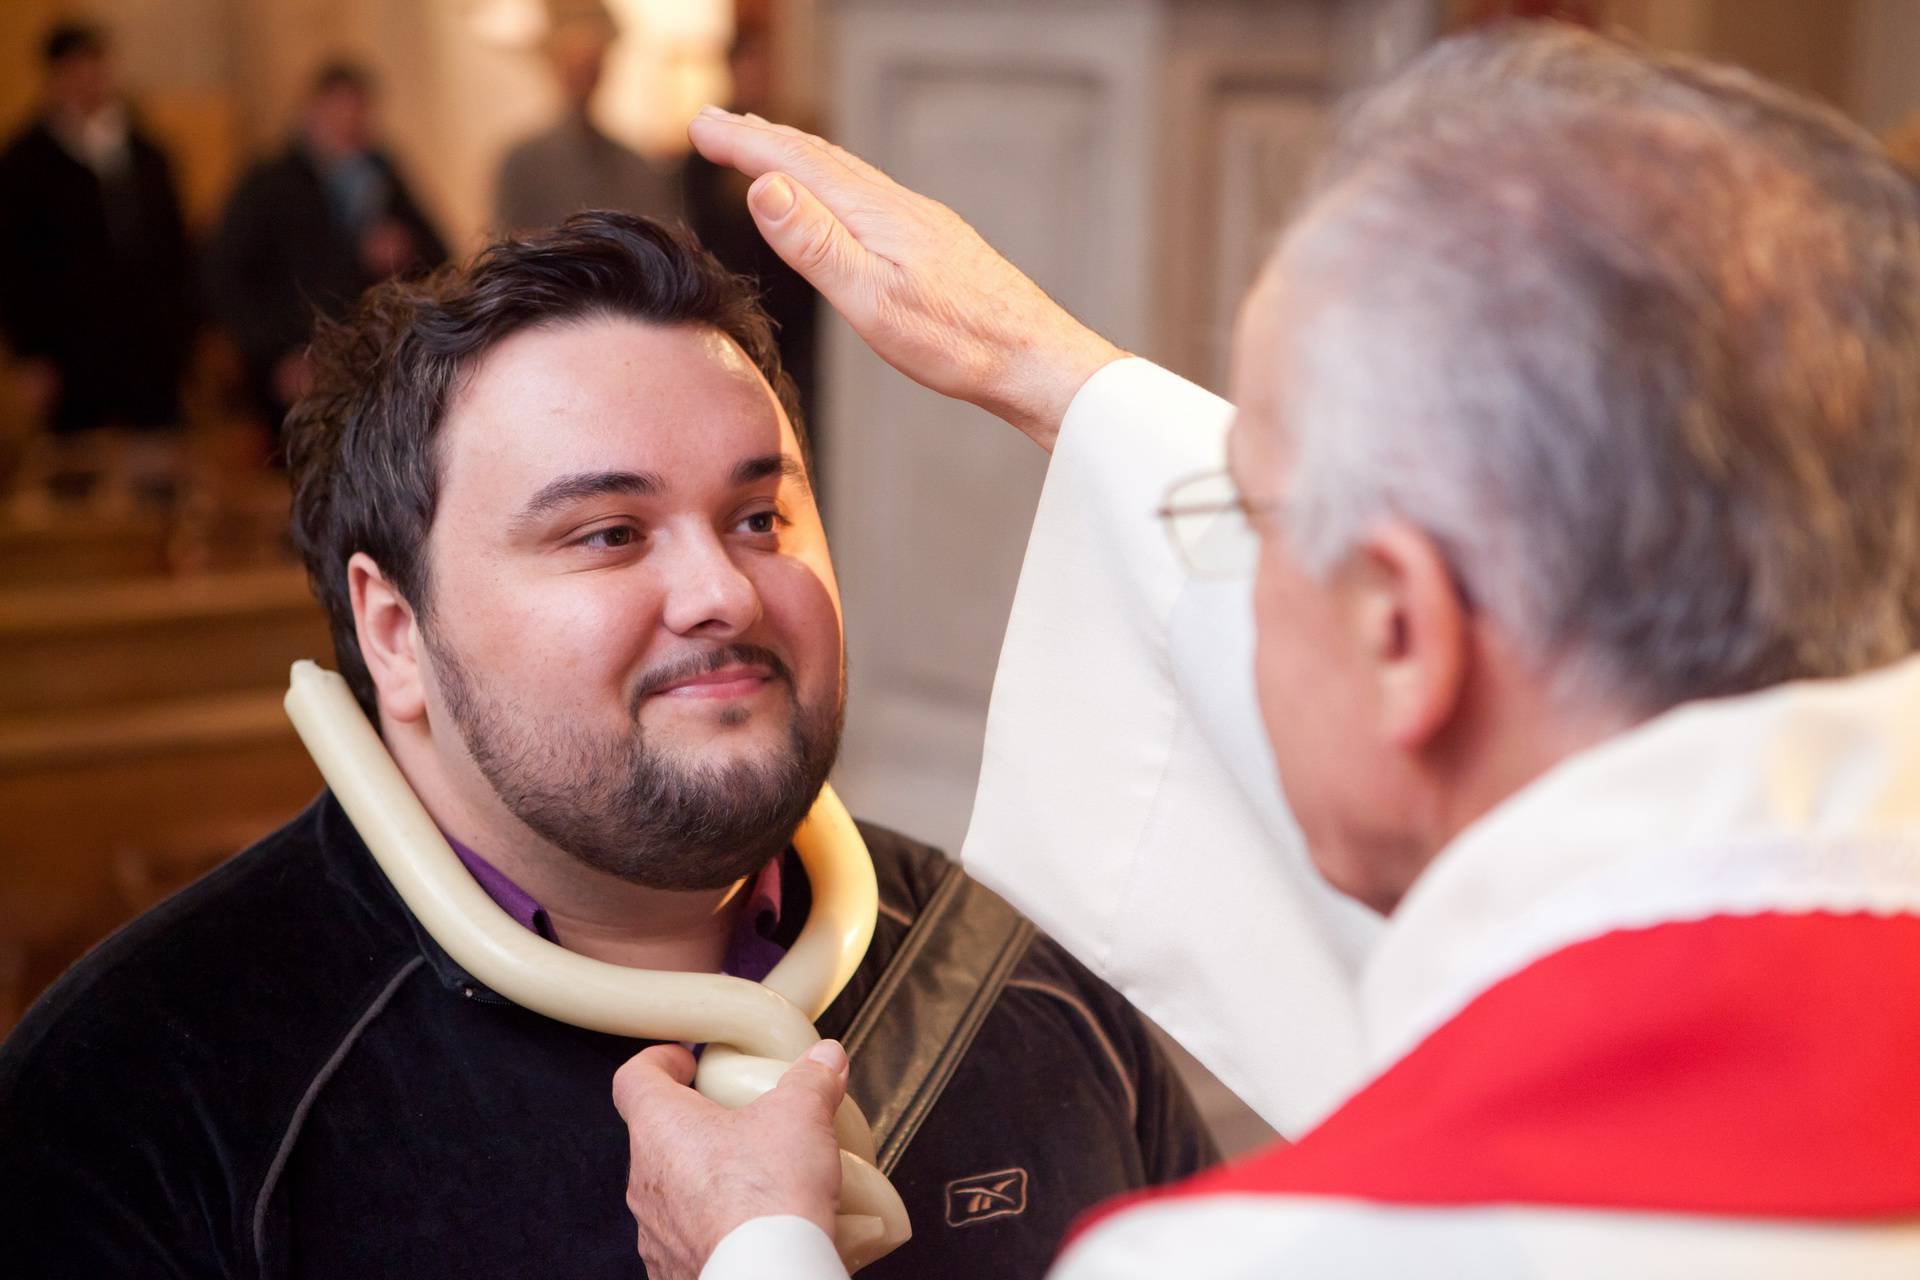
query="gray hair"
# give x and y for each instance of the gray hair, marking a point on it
(1636, 340)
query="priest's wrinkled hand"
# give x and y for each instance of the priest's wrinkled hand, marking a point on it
(698, 1170)
(919, 285)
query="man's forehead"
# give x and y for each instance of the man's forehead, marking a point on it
(584, 357)
(608, 393)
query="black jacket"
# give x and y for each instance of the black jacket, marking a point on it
(276, 1073)
(95, 277)
(280, 255)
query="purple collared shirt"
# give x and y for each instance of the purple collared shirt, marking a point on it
(751, 952)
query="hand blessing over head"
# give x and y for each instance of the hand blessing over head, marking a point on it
(920, 286)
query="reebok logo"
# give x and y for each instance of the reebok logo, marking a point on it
(986, 1195)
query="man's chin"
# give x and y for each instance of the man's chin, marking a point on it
(720, 735)
(749, 750)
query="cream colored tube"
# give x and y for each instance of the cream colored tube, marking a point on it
(753, 1029)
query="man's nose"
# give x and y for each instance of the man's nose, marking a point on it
(707, 594)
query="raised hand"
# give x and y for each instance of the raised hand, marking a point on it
(919, 285)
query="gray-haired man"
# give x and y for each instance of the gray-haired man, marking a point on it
(1575, 458)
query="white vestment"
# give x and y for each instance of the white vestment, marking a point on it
(1658, 1014)
(1127, 798)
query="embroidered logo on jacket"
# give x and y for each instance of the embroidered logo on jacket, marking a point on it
(986, 1195)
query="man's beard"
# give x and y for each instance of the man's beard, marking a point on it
(625, 807)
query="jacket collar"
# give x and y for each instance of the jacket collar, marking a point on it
(351, 865)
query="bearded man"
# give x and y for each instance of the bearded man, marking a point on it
(557, 507)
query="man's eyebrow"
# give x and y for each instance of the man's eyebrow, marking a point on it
(772, 464)
(586, 484)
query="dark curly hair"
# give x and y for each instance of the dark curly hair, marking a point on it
(361, 445)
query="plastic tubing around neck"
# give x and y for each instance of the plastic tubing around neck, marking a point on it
(766, 1024)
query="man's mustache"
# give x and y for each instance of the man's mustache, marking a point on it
(676, 670)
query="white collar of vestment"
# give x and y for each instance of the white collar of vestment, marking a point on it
(1801, 798)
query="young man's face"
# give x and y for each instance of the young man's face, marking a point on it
(633, 627)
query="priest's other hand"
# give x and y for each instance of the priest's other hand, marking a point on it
(697, 1170)
(919, 285)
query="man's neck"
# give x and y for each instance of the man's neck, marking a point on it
(1516, 728)
(1512, 722)
(650, 928)
(591, 912)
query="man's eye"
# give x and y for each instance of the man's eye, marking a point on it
(763, 522)
(618, 535)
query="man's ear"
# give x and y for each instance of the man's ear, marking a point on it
(389, 640)
(1414, 629)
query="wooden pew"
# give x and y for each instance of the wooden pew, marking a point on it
(109, 810)
(81, 548)
(112, 644)
(142, 740)
(111, 505)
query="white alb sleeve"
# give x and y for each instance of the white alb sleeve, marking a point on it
(1127, 799)
(784, 1247)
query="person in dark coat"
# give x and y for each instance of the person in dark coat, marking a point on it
(310, 230)
(96, 299)
(573, 165)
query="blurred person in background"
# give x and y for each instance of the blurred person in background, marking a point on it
(95, 283)
(311, 229)
(573, 166)
(717, 212)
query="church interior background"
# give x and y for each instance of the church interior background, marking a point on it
(1134, 155)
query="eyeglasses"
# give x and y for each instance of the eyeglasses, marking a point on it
(1211, 526)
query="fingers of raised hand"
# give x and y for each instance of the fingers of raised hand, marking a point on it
(755, 146)
(816, 243)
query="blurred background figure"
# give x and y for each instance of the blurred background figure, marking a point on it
(311, 229)
(573, 164)
(95, 283)
(717, 211)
